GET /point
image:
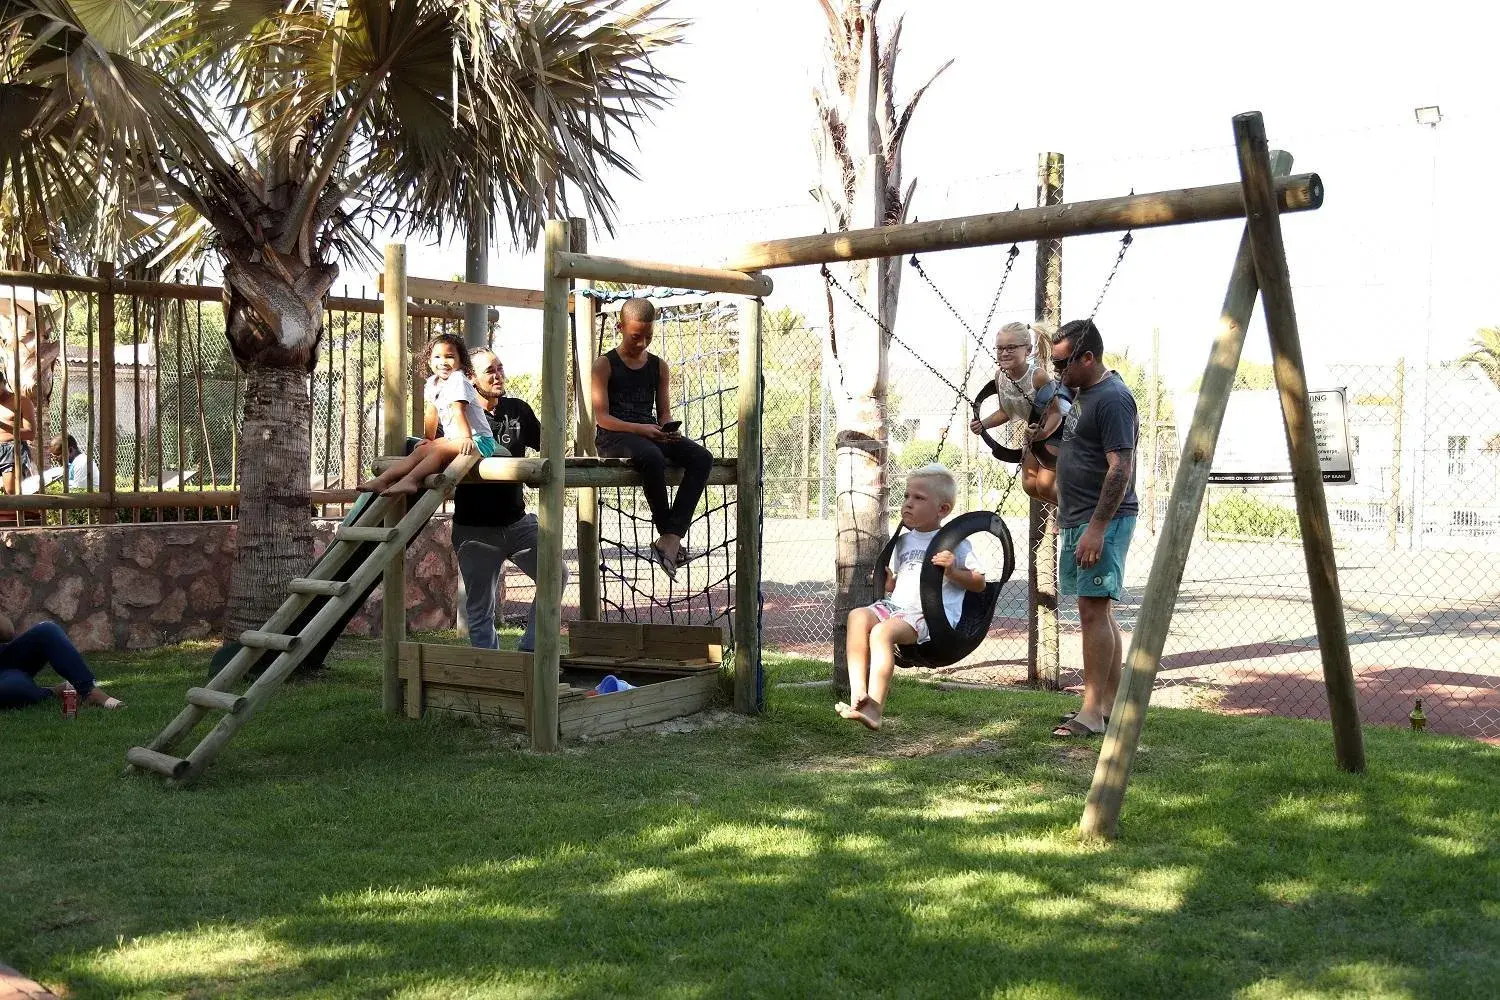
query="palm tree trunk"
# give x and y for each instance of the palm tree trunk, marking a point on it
(274, 539)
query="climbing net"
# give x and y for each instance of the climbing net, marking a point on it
(698, 338)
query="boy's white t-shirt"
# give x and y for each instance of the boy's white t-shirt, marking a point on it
(78, 473)
(456, 388)
(906, 563)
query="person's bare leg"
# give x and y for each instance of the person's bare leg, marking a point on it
(393, 474)
(1101, 659)
(433, 458)
(1112, 686)
(857, 654)
(883, 642)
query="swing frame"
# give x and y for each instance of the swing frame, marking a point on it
(1260, 196)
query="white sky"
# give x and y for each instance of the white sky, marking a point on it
(1136, 96)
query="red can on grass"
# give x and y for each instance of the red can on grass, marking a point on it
(69, 701)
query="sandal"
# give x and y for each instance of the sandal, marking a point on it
(1075, 730)
(682, 555)
(660, 558)
(1070, 716)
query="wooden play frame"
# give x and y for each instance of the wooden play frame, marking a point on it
(1262, 193)
(676, 670)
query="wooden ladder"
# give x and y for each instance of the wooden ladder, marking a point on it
(361, 526)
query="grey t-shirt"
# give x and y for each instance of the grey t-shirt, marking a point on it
(1103, 419)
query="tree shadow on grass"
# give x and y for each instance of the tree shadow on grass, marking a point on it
(339, 853)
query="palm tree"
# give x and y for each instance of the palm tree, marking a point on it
(1486, 353)
(858, 143)
(278, 135)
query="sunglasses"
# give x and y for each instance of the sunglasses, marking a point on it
(1061, 366)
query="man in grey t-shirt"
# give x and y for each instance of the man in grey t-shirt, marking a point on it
(1096, 511)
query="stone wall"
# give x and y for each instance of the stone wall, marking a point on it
(139, 586)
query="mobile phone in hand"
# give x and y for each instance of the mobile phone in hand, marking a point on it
(671, 426)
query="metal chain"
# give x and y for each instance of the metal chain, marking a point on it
(1125, 242)
(960, 394)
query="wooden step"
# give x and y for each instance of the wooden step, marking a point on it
(324, 588)
(346, 534)
(269, 640)
(224, 701)
(161, 763)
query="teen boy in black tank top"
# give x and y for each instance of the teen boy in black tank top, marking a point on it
(632, 400)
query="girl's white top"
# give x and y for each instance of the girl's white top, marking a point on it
(441, 394)
(1016, 397)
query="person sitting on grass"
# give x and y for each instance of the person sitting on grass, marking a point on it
(632, 394)
(23, 656)
(452, 406)
(897, 620)
(1027, 394)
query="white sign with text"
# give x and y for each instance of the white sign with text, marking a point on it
(1252, 442)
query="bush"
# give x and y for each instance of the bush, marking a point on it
(1245, 514)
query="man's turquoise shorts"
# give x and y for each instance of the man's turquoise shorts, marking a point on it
(1106, 578)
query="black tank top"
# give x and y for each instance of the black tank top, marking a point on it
(632, 391)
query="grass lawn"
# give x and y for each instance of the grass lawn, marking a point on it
(332, 852)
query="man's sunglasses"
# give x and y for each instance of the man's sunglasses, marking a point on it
(1062, 366)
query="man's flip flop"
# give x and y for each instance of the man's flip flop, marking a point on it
(1075, 730)
(1070, 716)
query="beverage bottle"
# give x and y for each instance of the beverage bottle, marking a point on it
(1417, 718)
(69, 701)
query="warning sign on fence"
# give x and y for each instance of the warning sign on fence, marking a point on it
(1252, 442)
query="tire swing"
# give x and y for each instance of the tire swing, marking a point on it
(948, 644)
(1044, 396)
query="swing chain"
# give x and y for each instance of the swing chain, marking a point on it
(1010, 263)
(833, 282)
(1125, 242)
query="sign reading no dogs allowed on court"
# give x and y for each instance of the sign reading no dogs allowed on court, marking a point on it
(1252, 442)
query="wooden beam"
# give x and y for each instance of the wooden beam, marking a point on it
(748, 512)
(393, 383)
(585, 315)
(467, 291)
(645, 272)
(1107, 215)
(581, 472)
(547, 608)
(1269, 253)
(1101, 814)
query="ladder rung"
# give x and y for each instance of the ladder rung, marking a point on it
(268, 640)
(225, 701)
(345, 534)
(327, 588)
(153, 760)
(436, 481)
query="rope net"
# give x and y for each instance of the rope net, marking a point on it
(699, 340)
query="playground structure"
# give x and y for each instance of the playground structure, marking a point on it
(1262, 193)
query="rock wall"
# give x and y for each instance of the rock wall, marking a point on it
(138, 586)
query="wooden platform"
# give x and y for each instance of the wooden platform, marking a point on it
(675, 669)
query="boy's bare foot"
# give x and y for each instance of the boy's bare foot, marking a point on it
(99, 699)
(371, 486)
(864, 711)
(404, 488)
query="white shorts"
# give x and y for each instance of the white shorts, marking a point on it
(890, 609)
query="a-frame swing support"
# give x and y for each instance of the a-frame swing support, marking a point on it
(1260, 197)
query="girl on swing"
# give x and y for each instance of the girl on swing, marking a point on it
(1028, 394)
(452, 406)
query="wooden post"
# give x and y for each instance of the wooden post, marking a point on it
(547, 608)
(1043, 647)
(1153, 415)
(748, 506)
(1398, 419)
(394, 366)
(108, 437)
(585, 315)
(1101, 814)
(1263, 220)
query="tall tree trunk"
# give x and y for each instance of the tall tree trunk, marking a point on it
(274, 319)
(274, 540)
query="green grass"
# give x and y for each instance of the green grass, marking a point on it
(333, 852)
